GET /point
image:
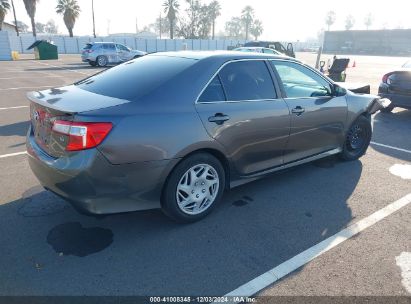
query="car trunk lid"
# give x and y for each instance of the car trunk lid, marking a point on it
(61, 104)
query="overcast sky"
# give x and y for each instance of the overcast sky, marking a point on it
(283, 20)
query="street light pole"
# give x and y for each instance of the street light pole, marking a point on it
(94, 24)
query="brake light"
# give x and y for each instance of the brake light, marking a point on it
(385, 78)
(82, 135)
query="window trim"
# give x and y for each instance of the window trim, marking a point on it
(269, 69)
(280, 83)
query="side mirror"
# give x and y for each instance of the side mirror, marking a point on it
(338, 91)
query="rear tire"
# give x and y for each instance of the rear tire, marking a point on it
(193, 188)
(387, 109)
(357, 139)
(101, 61)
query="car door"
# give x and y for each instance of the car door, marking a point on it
(240, 109)
(317, 117)
(123, 52)
(111, 52)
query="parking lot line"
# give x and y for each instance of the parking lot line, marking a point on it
(13, 154)
(63, 68)
(10, 108)
(252, 287)
(390, 147)
(28, 77)
(21, 88)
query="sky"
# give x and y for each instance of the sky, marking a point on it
(282, 20)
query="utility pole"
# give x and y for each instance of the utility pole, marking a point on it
(94, 24)
(161, 25)
(15, 19)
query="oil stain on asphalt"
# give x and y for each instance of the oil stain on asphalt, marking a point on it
(74, 239)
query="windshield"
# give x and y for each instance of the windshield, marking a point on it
(88, 46)
(135, 78)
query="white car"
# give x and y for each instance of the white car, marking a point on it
(103, 53)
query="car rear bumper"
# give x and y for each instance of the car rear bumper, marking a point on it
(92, 185)
(397, 100)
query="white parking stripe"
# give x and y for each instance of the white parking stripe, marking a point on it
(404, 262)
(9, 108)
(252, 287)
(21, 88)
(63, 68)
(390, 147)
(13, 154)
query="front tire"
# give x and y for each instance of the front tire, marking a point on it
(193, 188)
(101, 61)
(357, 139)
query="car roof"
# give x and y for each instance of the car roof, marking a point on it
(222, 55)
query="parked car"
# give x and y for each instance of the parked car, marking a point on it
(396, 86)
(258, 50)
(278, 46)
(174, 130)
(104, 53)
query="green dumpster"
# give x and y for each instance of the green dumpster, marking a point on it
(44, 50)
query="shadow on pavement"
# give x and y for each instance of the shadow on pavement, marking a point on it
(19, 128)
(49, 249)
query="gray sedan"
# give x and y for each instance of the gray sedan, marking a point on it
(104, 53)
(175, 130)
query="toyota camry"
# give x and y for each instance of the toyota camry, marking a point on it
(175, 130)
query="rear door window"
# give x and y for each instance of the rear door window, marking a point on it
(109, 46)
(247, 80)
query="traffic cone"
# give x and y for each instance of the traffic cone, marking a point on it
(354, 65)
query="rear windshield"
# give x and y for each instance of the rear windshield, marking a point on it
(135, 78)
(88, 46)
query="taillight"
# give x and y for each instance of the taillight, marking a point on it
(82, 135)
(385, 78)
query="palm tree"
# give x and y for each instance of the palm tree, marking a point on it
(330, 19)
(15, 18)
(247, 15)
(31, 11)
(171, 7)
(256, 29)
(4, 7)
(70, 11)
(215, 9)
(94, 23)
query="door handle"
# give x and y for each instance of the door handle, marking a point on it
(219, 118)
(298, 110)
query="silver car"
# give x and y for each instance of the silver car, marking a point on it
(259, 50)
(104, 53)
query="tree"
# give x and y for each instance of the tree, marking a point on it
(234, 28)
(4, 7)
(94, 23)
(22, 27)
(349, 22)
(70, 11)
(197, 22)
(40, 27)
(171, 7)
(51, 27)
(330, 19)
(30, 6)
(15, 18)
(215, 12)
(368, 21)
(247, 17)
(256, 29)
